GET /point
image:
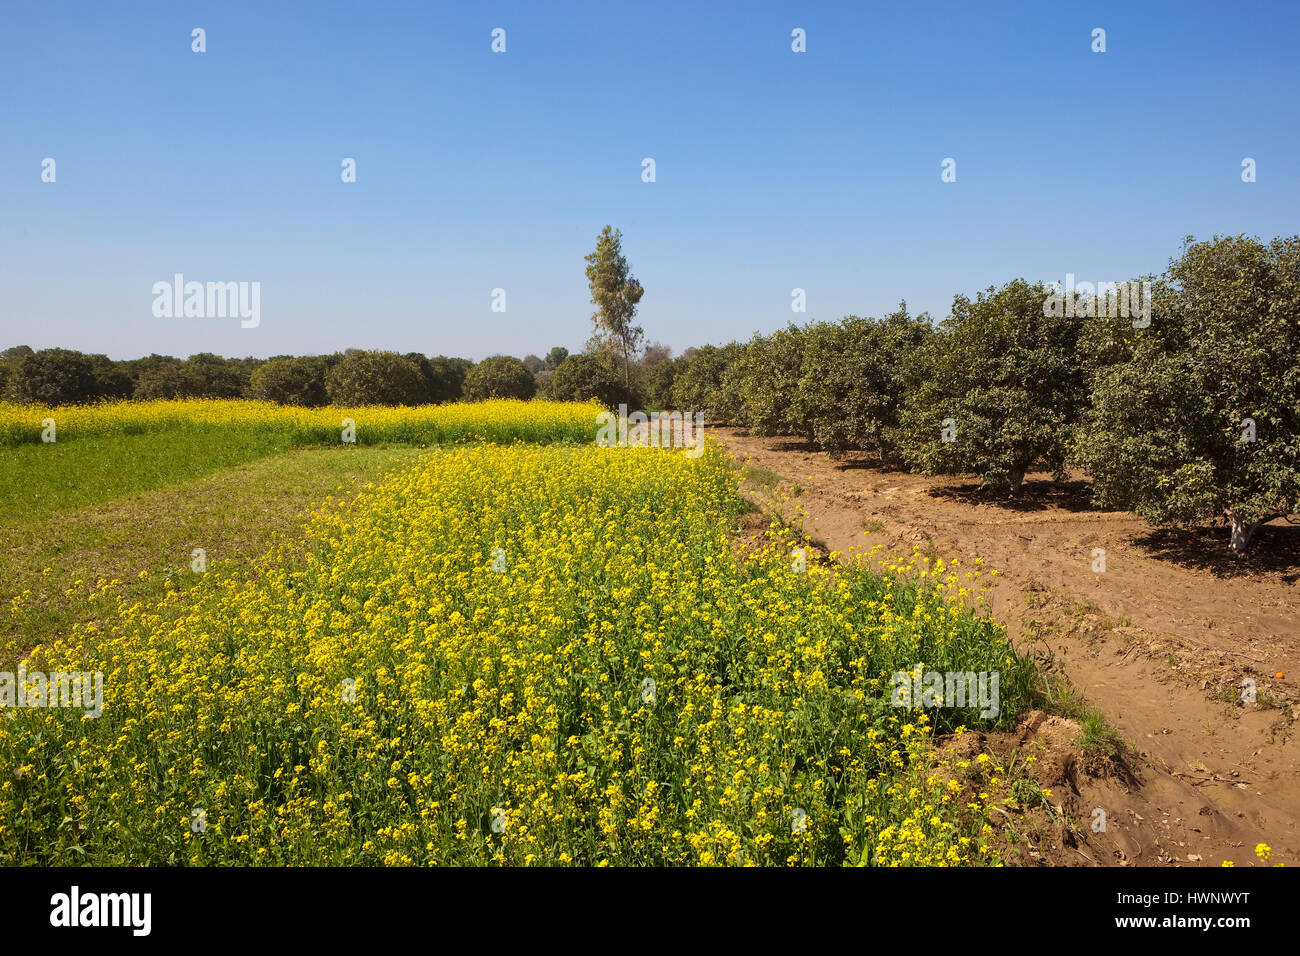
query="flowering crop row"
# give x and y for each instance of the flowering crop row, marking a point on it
(500, 421)
(516, 655)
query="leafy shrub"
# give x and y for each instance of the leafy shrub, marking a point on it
(582, 377)
(500, 376)
(448, 382)
(853, 379)
(374, 378)
(701, 386)
(287, 380)
(655, 382)
(164, 379)
(1201, 418)
(767, 373)
(112, 379)
(55, 377)
(202, 375)
(1003, 381)
(212, 376)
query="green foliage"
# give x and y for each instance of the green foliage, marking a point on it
(1167, 433)
(291, 381)
(112, 379)
(701, 384)
(375, 378)
(165, 379)
(9, 359)
(768, 371)
(428, 378)
(55, 377)
(499, 376)
(1004, 381)
(853, 378)
(582, 377)
(215, 377)
(448, 381)
(64, 376)
(654, 383)
(202, 375)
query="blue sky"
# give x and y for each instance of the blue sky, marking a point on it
(475, 170)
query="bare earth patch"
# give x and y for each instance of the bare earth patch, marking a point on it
(1160, 643)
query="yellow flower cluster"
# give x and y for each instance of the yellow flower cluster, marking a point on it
(499, 420)
(512, 655)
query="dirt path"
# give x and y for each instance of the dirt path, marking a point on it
(1159, 642)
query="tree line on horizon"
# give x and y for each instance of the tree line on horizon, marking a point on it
(356, 377)
(59, 376)
(1192, 417)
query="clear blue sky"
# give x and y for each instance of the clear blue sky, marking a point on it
(476, 170)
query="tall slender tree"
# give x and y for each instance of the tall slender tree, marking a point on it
(615, 294)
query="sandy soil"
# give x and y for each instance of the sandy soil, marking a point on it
(1159, 642)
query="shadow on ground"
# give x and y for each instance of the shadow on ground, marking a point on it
(1036, 494)
(794, 444)
(1275, 549)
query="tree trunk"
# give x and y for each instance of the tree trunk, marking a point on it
(1017, 479)
(1242, 531)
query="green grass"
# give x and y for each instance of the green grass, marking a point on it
(105, 451)
(760, 477)
(234, 513)
(38, 481)
(1097, 738)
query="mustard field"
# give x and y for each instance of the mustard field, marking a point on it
(511, 654)
(500, 420)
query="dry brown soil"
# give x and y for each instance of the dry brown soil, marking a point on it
(1159, 643)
